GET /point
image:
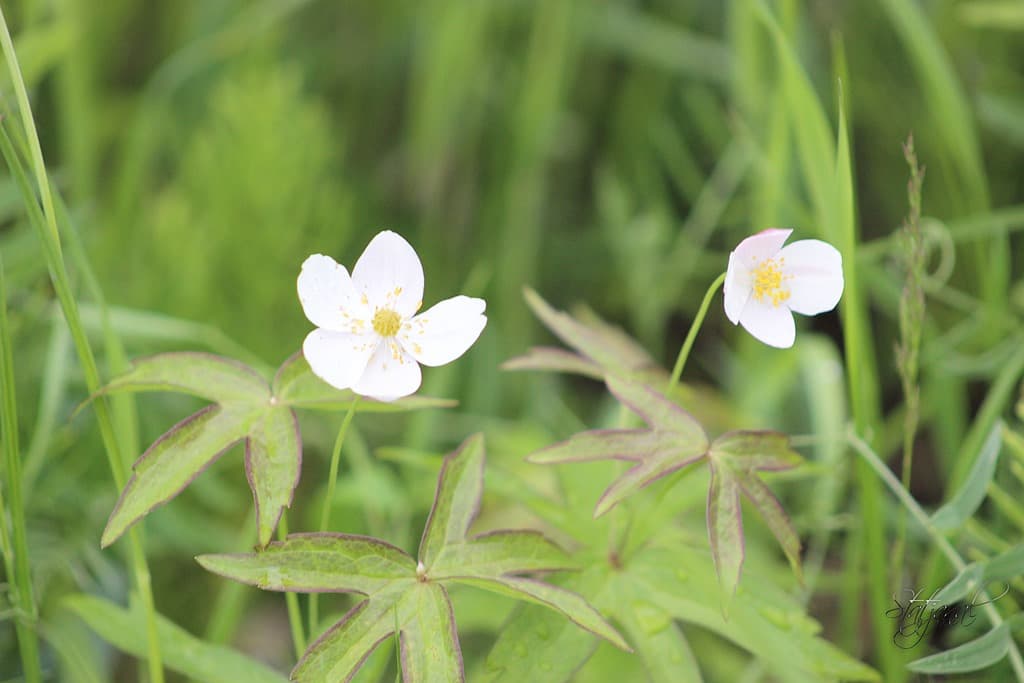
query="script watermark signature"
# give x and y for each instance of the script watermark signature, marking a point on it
(916, 616)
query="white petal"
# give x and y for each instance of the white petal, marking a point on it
(390, 274)
(761, 246)
(445, 331)
(737, 289)
(770, 324)
(816, 268)
(328, 298)
(338, 358)
(391, 374)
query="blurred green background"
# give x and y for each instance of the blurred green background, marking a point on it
(601, 151)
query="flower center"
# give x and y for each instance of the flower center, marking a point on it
(386, 322)
(768, 278)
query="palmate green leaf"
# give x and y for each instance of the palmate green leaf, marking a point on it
(549, 359)
(407, 595)
(295, 385)
(673, 441)
(570, 604)
(247, 409)
(318, 562)
(967, 499)
(173, 461)
(735, 457)
(974, 655)
(181, 651)
(215, 378)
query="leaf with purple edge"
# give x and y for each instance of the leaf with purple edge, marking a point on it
(173, 461)
(572, 605)
(674, 441)
(612, 350)
(735, 457)
(549, 359)
(318, 563)
(296, 386)
(457, 500)
(215, 378)
(273, 462)
(428, 640)
(406, 595)
(499, 553)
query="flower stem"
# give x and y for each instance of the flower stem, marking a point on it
(890, 480)
(292, 600)
(325, 511)
(45, 222)
(684, 352)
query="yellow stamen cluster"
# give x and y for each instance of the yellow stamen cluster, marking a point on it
(386, 322)
(768, 280)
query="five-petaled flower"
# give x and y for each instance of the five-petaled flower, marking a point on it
(368, 337)
(766, 283)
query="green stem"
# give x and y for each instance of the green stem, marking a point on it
(292, 600)
(46, 224)
(890, 480)
(325, 511)
(20, 574)
(684, 352)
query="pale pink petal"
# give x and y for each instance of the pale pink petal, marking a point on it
(328, 298)
(768, 323)
(445, 331)
(338, 358)
(816, 272)
(737, 289)
(389, 275)
(391, 373)
(764, 245)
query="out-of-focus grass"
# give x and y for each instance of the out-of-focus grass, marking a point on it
(603, 151)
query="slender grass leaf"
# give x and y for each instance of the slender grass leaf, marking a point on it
(173, 461)
(725, 528)
(499, 553)
(295, 385)
(429, 642)
(456, 501)
(273, 461)
(960, 508)
(318, 563)
(338, 653)
(214, 378)
(181, 651)
(1003, 567)
(570, 604)
(973, 655)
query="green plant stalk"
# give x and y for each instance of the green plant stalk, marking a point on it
(50, 236)
(875, 463)
(684, 351)
(28, 643)
(292, 600)
(325, 511)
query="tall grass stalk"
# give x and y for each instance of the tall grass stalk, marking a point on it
(889, 479)
(18, 570)
(46, 224)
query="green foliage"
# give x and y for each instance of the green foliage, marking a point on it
(966, 500)
(246, 409)
(183, 652)
(407, 596)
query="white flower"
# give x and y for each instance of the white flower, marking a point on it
(766, 283)
(368, 337)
